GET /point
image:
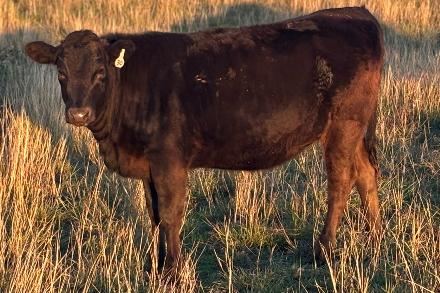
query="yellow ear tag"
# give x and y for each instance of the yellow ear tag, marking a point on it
(119, 62)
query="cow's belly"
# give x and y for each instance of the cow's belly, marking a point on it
(262, 147)
(255, 158)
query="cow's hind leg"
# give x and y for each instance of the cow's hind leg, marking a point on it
(340, 146)
(366, 184)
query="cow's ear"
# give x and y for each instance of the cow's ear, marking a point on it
(41, 52)
(120, 51)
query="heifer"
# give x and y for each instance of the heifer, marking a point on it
(160, 104)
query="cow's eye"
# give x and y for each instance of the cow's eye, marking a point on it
(100, 74)
(62, 76)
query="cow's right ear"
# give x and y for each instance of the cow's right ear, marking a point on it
(41, 52)
(120, 51)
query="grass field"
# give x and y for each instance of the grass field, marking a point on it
(68, 225)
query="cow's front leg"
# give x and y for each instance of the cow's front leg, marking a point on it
(153, 211)
(168, 194)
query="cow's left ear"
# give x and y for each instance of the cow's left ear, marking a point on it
(41, 52)
(120, 51)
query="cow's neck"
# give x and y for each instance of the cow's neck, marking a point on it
(106, 126)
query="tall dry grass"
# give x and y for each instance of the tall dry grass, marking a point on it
(66, 224)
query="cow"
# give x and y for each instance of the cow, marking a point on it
(160, 104)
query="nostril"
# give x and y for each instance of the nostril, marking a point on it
(71, 114)
(86, 113)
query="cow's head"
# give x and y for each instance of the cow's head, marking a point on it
(86, 64)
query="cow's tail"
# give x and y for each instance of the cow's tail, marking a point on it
(370, 142)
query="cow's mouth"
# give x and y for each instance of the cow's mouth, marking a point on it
(77, 124)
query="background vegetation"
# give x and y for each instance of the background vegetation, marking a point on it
(67, 224)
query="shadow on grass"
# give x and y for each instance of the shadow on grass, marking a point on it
(232, 16)
(427, 150)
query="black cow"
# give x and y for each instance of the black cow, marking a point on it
(244, 98)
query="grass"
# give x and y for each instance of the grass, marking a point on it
(67, 224)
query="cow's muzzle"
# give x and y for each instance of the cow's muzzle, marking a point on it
(79, 116)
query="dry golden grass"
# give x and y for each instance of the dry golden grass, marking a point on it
(66, 224)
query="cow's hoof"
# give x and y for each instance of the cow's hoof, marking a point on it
(171, 273)
(323, 251)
